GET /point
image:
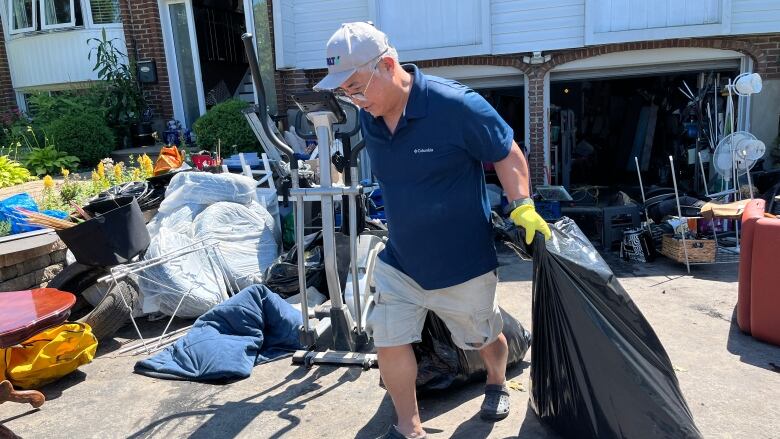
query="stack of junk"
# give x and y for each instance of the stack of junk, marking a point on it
(199, 205)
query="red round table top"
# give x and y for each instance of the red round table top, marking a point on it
(26, 313)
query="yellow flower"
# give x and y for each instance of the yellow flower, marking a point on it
(65, 172)
(95, 176)
(48, 182)
(29, 129)
(136, 174)
(101, 170)
(118, 171)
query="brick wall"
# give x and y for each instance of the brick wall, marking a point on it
(144, 37)
(764, 49)
(7, 94)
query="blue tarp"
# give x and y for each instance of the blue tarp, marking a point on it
(225, 343)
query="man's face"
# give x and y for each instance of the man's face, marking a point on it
(364, 88)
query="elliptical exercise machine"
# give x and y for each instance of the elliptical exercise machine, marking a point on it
(335, 337)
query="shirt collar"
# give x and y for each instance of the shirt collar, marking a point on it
(417, 104)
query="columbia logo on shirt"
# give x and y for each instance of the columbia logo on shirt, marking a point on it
(422, 150)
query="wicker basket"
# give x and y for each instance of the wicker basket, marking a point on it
(699, 250)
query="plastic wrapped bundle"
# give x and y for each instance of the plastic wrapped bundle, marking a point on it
(190, 275)
(246, 239)
(206, 188)
(179, 219)
(597, 368)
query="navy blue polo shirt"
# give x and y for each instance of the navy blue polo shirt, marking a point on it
(433, 185)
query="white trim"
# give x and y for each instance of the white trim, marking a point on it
(743, 102)
(276, 9)
(659, 33)
(196, 57)
(9, 10)
(45, 26)
(631, 58)
(249, 17)
(480, 76)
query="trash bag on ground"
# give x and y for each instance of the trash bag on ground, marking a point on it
(442, 365)
(597, 368)
(282, 276)
(246, 239)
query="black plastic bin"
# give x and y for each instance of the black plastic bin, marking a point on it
(115, 235)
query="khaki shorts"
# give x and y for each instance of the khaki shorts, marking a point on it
(470, 310)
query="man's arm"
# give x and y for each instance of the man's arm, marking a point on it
(513, 173)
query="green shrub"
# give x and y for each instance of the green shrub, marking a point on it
(84, 135)
(45, 108)
(225, 122)
(13, 173)
(48, 160)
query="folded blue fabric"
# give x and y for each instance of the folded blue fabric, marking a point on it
(225, 343)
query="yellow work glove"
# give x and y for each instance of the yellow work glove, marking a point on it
(526, 217)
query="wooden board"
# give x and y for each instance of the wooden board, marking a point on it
(26, 313)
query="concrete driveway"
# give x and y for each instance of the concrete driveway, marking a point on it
(725, 376)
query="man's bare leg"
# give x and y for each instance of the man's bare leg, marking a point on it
(495, 356)
(398, 367)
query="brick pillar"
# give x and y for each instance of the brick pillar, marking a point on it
(144, 37)
(536, 121)
(7, 94)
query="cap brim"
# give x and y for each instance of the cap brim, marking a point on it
(334, 80)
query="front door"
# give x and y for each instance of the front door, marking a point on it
(183, 60)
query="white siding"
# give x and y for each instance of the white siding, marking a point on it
(55, 58)
(615, 21)
(287, 18)
(755, 16)
(315, 22)
(516, 25)
(535, 25)
(438, 29)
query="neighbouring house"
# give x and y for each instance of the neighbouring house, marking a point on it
(189, 53)
(572, 77)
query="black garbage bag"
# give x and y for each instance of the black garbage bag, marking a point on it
(442, 365)
(597, 368)
(282, 276)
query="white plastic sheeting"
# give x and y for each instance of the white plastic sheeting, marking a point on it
(246, 239)
(190, 275)
(223, 208)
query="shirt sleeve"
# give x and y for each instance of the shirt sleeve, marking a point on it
(486, 136)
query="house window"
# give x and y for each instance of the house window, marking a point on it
(57, 14)
(23, 15)
(105, 11)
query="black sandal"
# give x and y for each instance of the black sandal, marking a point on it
(496, 404)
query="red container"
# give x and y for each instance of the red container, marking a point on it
(765, 282)
(201, 160)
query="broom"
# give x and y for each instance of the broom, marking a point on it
(40, 219)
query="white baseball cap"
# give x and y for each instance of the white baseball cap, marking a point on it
(352, 46)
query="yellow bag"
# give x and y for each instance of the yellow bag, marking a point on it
(49, 355)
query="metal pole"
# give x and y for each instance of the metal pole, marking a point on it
(679, 214)
(353, 236)
(299, 208)
(642, 189)
(703, 175)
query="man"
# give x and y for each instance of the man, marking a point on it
(427, 138)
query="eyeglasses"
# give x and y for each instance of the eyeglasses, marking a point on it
(360, 96)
